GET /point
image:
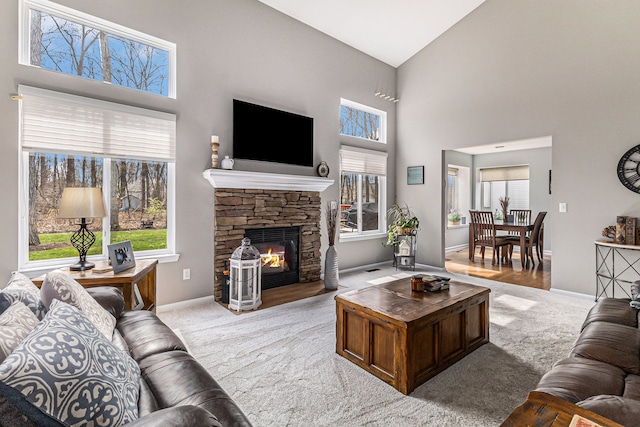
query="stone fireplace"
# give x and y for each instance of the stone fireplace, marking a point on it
(281, 212)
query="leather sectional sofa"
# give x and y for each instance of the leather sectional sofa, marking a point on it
(602, 371)
(175, 390)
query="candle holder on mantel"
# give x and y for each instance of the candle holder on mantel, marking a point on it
(215, 143)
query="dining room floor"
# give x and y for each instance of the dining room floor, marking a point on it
(538, 276)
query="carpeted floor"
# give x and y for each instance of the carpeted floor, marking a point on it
(280, 365)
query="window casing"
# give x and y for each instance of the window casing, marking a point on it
(73, 141)
(512, 182)
(360, 121)
(362, 192)
(58, 38)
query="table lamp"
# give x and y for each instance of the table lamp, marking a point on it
(82, 203)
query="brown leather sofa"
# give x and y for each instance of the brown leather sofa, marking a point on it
(175, 389)
(602, 371)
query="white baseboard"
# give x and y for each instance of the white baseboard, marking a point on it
(455, 248)
(573, 294)
(184, 304)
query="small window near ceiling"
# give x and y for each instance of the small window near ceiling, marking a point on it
(58, 38)
(361, 121)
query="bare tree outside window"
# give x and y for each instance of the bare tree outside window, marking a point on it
(69, 47)
(358, 123)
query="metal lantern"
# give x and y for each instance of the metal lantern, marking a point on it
(244, 278)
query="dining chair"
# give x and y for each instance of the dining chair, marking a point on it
(520, 217)
(484, 233)
(533, 239)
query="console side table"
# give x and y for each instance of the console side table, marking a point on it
(141, 277)
(617, 266)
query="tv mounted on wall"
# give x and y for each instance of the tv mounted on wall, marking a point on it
(270, 135)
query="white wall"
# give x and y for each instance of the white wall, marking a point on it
(226, 49)
(516, 69)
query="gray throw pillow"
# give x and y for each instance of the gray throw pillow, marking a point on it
(15, 324)
(61, 286)
(67, 372)
(21, 288)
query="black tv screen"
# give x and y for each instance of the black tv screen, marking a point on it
(266, 134)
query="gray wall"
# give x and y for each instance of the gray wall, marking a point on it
(226, 49)
(516, 69)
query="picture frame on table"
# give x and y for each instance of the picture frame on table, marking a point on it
(121, 256)
(415, 175)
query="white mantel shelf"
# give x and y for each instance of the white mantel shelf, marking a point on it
(223, 178)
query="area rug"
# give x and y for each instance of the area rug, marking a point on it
(281, 367)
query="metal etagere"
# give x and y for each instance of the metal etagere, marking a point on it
(617, 266)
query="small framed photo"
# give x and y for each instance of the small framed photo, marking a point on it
(415, 175)
(121, 256)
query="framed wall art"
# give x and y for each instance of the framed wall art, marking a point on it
(415, 175)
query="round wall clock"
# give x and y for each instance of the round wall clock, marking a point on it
(323, 169)
(629, 169)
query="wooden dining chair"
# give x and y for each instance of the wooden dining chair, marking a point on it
(533, 239)
(520, 217)
(484, 233)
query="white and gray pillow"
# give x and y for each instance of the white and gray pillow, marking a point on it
(15, 324)
(61, 286)
(66, 372)
(21, 288)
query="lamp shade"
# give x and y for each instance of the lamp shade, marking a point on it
(81, 202)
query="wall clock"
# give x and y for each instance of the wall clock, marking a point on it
(323, 169)
(629, 169)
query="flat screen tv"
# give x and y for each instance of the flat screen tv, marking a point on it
(266, 134)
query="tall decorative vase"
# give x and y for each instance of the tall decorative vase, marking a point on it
(331, 269)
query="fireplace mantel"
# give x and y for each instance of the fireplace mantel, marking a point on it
(223, 178)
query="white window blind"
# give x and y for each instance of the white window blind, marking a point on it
(510, 173)
(359, 160)
(61, 123)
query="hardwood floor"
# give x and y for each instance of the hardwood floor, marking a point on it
(510, 272)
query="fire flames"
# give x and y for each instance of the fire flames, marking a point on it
(270, 260)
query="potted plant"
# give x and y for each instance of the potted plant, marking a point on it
(454, 218)
(403, 222)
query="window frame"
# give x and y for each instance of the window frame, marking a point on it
(167, 254)
(382, 199)
(370, 110)
(24, 31)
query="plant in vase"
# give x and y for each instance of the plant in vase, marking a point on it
(454, 218)
(504, 205)
(331, 256)
(403, 222)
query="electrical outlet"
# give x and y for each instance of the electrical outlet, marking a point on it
(562, 207)
(186, 274)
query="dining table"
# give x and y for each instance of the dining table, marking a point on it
(512, 227)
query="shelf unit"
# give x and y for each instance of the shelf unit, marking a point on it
(404, 251)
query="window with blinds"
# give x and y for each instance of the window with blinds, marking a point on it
(72, 141)
(512, 182)
(362, 191)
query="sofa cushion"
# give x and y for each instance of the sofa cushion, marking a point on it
(15, 324)
(146, 334)
(60, 285)
(176, 379)
(613, 310)
(610, 343)
(575, 378)
(616, 408)
(632, 387)
(178, 416)
(147, 402)
(21, 288)
(66, 370)
(109, 298)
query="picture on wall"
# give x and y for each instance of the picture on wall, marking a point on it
(415, 175)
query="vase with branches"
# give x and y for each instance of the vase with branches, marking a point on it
(331, 256)
(504, 205)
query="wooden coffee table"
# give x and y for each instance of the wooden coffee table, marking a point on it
(405, 337)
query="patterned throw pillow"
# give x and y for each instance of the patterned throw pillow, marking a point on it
(66, 371)
(61, 286)
(15, 324)
(21, 288)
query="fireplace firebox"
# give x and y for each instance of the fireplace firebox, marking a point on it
(279, 253)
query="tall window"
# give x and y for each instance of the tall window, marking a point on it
(363, 122)
(71, 141)
(452, 191)
(58, 38)
(362, 191)
(496, 183)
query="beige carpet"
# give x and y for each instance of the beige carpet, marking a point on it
(280, 364)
